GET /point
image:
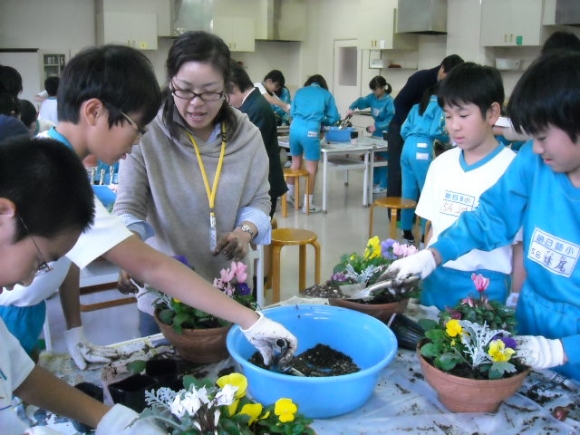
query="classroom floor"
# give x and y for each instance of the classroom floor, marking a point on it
(343, 229)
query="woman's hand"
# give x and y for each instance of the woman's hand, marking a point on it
(234, 245)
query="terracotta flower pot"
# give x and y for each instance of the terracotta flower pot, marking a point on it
(197, 345)
(383, 312)
(469, 395)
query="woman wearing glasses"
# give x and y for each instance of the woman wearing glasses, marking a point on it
(198, 181)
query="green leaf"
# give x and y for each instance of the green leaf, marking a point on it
(428, 324)
(137, 366)
(447, 361)
(430, 350)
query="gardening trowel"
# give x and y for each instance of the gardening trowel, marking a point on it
(286, 368)
(394, 287)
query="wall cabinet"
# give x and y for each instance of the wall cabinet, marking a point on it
(506, 23)
(377, 27)
(238, 33)
(135, 29)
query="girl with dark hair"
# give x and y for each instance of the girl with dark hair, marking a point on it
(382, 110)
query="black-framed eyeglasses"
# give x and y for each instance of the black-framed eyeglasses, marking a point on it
(187, 94)
(138, 129)
(43, 267)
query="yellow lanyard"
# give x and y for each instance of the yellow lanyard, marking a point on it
(211, 194)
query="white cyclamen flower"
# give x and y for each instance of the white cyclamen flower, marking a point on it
(226, 395)
(192, 402)
(177, 407)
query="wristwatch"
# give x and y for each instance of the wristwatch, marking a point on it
(249, 230)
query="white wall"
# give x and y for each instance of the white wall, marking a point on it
(66, 26)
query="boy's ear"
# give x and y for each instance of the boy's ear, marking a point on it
(7, 208)
(7, 217)
(493, 113)
(91, 110)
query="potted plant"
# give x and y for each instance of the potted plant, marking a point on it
(469, 356)
(364, 270)
(196, 335)
(203, 407)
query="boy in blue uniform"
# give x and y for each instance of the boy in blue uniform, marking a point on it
(541, 192)
(313, 107)
(382, 110)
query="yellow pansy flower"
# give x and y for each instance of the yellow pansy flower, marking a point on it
(285, 410)
(453, 328)
(237, 380)
(373, 249)
(499, 352)
(253, 410)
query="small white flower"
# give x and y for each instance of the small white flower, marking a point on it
(177, 407)
(191, 402)
(202, 394)
(226, 395)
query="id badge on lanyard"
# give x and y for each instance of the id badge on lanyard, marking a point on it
(212, 232)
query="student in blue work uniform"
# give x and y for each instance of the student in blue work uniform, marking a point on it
(382, 110)
(282, 117)
(424, 125)
(541, 192)
(407, 97)
(313, 107)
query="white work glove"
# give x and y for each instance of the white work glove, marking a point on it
(265, 333)
(42, 430)
(121, 420)
(83, 352)
(539, 352)
(512, 300)
(422, 263)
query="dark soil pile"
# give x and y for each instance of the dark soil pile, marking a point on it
(319, 361)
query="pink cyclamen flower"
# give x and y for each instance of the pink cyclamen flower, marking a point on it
(468, 301)
(480, 282)
(403, 250)
(240, 271)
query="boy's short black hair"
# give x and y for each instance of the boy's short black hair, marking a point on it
(48, 185)
(561, 40)
(548, 94)
(119, 76)
(470, 83)
(10, 80)
(9, 104)
(277, 77)
(239, 77)
(451, 62)
(51, 86)
(28, 112)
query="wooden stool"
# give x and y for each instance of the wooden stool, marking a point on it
(296, 173)
(395, 204)
(293, 236)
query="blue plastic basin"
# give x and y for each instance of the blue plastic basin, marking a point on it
(335, 134)
(368, 341)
